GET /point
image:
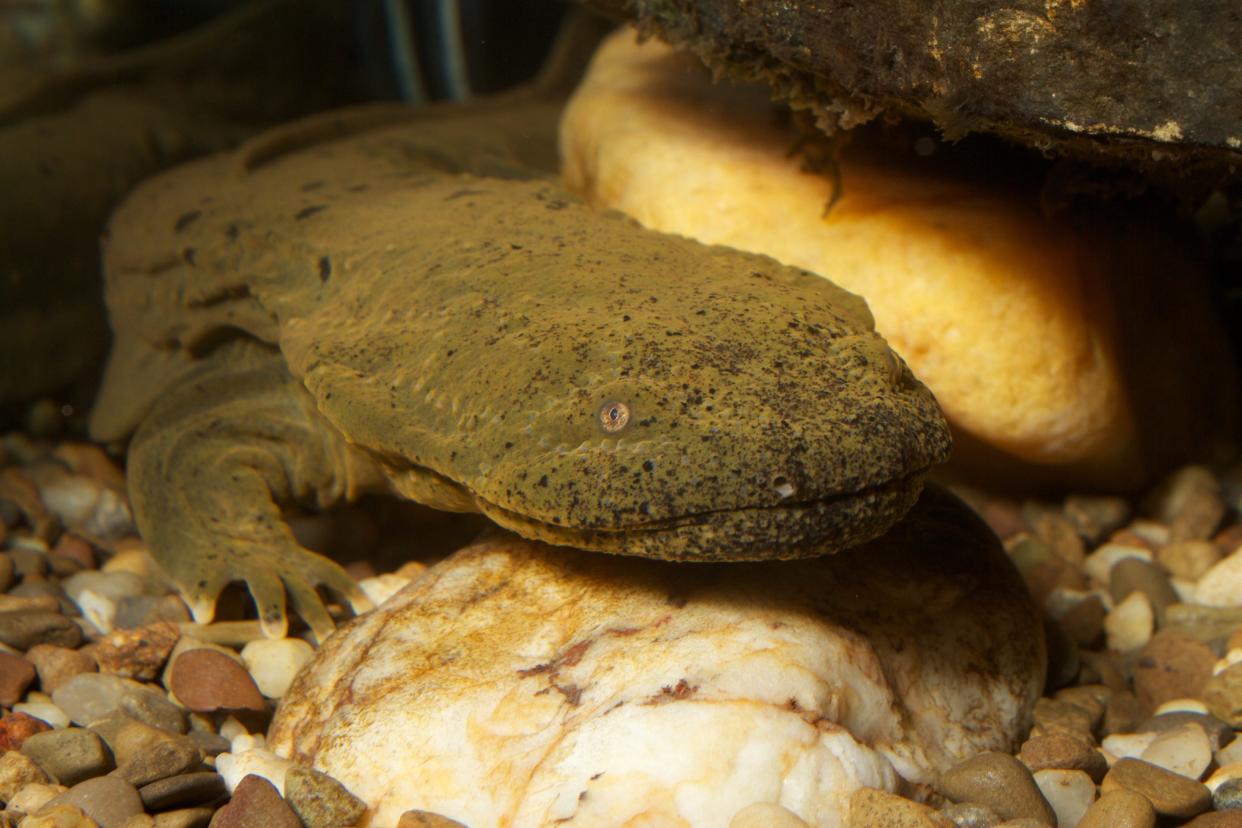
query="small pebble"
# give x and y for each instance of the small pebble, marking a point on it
(56, 665)
(1063, 751)
(107, 800)
(17, 727)
(186, 789)
(1221, 586)
(205, 681)
(1228, 795)
(426, 819)
(1057, 716)
(1000, 782)
(1190, 503)
(258, 762)
(1134, 575)
(256, 803)
(17, 770)
(24, 629)
(137, 653)
(70, 754)
(1119, 809)
(88, 697)
(274, 663)
(758, 815)
(159, 760)
(1170, 794)
(1218, 732)
(873, 808)
(1184, 750)
(1223, 695)
(971, 815)
(1099, 563)
(1129, 624)
(1171, 665)
(16, 675)
(1069, 792)
(319, 800)
(1189, 559)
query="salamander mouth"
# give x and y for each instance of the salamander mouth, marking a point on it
(804, 529)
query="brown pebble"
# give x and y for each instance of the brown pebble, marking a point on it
(69, 754)
(170, 756)
(256, 804)
(23, 630)
(206, 680)
(1093, 698)
(16, 770)
(1219, 733)
(1055, 716)
(137, 653)
(1123, 714)
(1171, 794)
(56, 665)
(1217, 819)
(319, 800)
(1222, 694)
(16, 675)
(1137, 575)
(1172, 665)
(196, 817)
(1094, 517)
(1190, 502)
(76, 549)
(1084, 622)
(1000, 782)
(107, 800)
(426, 819)
(7, 569)
(16, 728)
(873, 808)
(1061, 536)
(1188, 559)
(1063, 751)
(1119, 809)
(184, 789)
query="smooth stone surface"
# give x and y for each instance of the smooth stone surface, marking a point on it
(188, 789)
(1069, 792)
(547, 682)
(206, 681)
(1135, 575)
(1063, 751)
(1184, 750)
(88, 697)
(1223, 695)
(274, 663)
(16, 675)
(1000, 782)
(872, 808)
(319, 800)
(1172, 665)
(107, 800)
(758, 815)
(69, 755)
(1130, 623)
(24, 629)
(164, 758)
(56, 665)
(1120, 809)
(1170, 794)
(256, 804)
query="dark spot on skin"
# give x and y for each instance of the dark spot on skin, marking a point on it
(557, 205)
(185, 220)
(307, 212)
(543, 481)
(357, 188)
(462, 193)
(231, 232)
(190, 256)
(311, 185)
(325, 268)
(648, 466)
(508, 444)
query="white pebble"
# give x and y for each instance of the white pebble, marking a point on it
(1184, 705)
(1129, 625)
(45, 710)
(1184, 749)
(21, 539)
(98, 609)
(274, 662)
(1223, 774)
(243, 742)
(766, 815)
(1127, 745)
(1230, 753)
(1152, 531)
(231, 728)
(1221, 586)
(1231, 658)
(234, 767)
(1099, 563)
(382, 587)
(1187, 591)
(114, 585)
(1069, 792)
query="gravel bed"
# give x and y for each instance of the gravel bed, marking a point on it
(117, 710)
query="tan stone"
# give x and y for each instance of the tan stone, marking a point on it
(1120, 808)
(1172, 665)
(871, 808)
(1170, 794)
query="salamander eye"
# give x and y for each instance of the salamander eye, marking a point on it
(613, 416)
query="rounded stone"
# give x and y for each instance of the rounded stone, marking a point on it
(1135, 575)
(1172, 665)
(319, 800)
(188, 789)
(89, 697)
(1171, 794)
(70, 755)
(256, 804)
(105, 799)
(869, 807)
(1185, 750)
(1063, 751)
(22, 630)
(16, 770)
(1069, 792)
(1000, 782)
(16, 675)
(1119, 808)
(1223, 695)
(1228, 795)
(206, 681)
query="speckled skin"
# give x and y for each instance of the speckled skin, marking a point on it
(381, 299)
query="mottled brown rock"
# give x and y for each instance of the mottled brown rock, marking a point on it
(16, 674)
(1061, 750)
(16, 728)
(1000, 782)
(205, 681)
(56, 665)
(1171, 794)
(871, 808)
(1152, 82)
(137, 653)
(319, 800)
(256, 804)
(1222, 693)
(1171, 665)
(1188, 559)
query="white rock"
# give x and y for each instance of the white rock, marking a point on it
(45, 710)
(766, 815)
(517, 684)
(274, 662)
(1129, 625)
(1221, 586)
(1184, 749)
(98, 610)
(1127, 745)
(1223, 774)
(116, 585)
(1231, 658)
(1153, 531)
(1069, 792)
(236, 766)
(1187, 591)
(380, 588)
(32, 796)
(1184, 705)
(1099, 563)
(1230, 753)
(243, 742)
